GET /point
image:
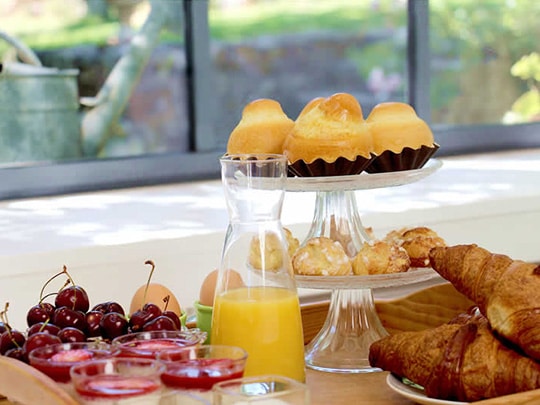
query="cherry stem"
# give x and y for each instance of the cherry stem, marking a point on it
(45, 323)
(4, 318)
(69, 280)
(54, 293)
(64, 271)
(151, 263)
(166, 300)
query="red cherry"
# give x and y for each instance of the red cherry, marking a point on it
(152, 308)
(92, 323)
(39, 339)
(11, 339)
(113, 325)
(65, 316)
(43, 327)
(162, 322)
(174, 317)
(139, 318)
(109, 306)
(41, 312)
(17, 353)
(71, 335)
(74, 297)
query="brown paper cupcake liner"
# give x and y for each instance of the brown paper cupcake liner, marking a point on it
(322, 168)
(407, 159)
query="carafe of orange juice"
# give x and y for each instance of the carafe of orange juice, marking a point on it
(262, 313)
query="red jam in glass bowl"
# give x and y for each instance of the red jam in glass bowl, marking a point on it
(149, 344)
(117, 379)
(200, 367)
(56, 360)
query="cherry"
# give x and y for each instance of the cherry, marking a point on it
(41, 312)
(112, 325)
(152, 309)
(39, 339)
(71, 335)
(43, 327)
(139, 318)
(17, 353)
(109, 306)
(162, 322)
(174, 317)
(11, 339)
(93, 318)
(65, 316)
(149, 311)
(3, 327)
(74, 297)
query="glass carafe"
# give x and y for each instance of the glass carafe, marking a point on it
(261, 313)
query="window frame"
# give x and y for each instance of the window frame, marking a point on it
(201, 163)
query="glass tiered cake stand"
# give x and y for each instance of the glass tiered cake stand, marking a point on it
(352, 323)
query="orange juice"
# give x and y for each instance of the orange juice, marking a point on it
(266, 323)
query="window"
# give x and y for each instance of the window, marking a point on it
(482, 91)
(450, 58)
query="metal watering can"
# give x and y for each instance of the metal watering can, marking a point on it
(42, 117)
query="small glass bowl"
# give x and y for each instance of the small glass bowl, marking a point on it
(167, 397)
(149, 344)
(261, 390)
(56, 360)
(117, 379)
(200, 367)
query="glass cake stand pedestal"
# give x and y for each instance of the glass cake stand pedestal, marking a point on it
(352, 323)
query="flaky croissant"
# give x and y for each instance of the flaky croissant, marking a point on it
(506, 291)
(460, 360)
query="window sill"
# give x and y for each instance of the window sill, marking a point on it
(104, 238)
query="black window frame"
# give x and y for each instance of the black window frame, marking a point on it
(45, 179)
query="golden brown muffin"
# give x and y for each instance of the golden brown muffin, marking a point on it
(380, 257)
(310, 106)
(395, 126)
(321, 256)
(328, 129)
(273, 259)
(417, 242)
(262, 129)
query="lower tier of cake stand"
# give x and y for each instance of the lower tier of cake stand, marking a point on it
(352, 324)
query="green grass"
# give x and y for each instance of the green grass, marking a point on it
(59, 26)
(289, 16)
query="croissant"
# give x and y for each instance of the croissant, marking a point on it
(506, 291)
(460, 360)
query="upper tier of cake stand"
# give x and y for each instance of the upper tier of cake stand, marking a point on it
(363, 181)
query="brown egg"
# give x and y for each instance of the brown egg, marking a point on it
(156, 294)
(208, 286)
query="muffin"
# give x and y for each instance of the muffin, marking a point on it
(329, 138)
(321, 256)
(401, 139)
(380, 257)
(262, 129)
(417, 242)
(273, 258)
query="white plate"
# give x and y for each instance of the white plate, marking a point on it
(415, 394)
